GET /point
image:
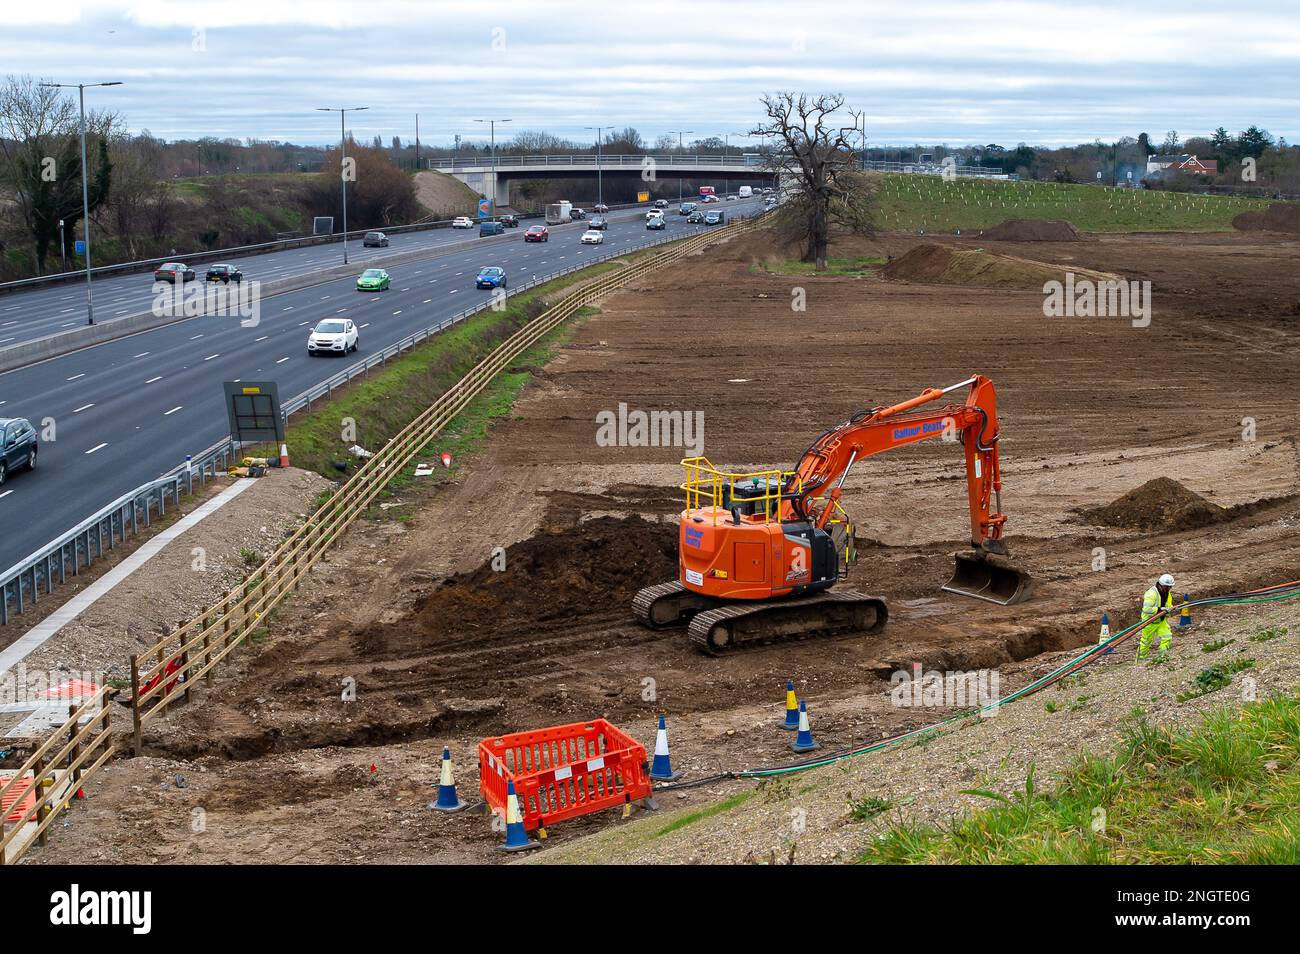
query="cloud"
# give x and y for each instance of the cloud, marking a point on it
(972, 71)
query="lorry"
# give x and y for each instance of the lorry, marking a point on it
(707, 190)
(558, 213)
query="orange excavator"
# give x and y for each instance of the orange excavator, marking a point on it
(760, 551)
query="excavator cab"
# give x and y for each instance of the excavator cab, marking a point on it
(986, 576)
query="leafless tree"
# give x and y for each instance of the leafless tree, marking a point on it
(814, 160)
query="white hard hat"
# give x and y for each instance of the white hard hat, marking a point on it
(1166, 580)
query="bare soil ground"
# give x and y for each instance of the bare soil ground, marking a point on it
(275, 766)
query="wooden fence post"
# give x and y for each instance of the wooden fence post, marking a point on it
(136, 746)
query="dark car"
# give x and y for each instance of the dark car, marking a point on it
(576, 214)
(686, 208)
(491, 228)
(491, 276)
(598, 223)
(600, 207)
(509, 221)
(17, 446)
(224, 273)
(375, 240)
(695, 218)
(537, 233)
(172, 271)
(656, 223)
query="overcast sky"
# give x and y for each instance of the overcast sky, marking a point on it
(1046, 72)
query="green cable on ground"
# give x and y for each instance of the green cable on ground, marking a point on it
(1289, 591)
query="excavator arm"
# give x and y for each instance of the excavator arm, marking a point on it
(815, 486)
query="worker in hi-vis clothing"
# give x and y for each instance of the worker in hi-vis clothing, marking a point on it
(1159, 597)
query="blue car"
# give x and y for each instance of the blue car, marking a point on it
(494, 276)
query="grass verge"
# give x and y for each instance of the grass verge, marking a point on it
(914, 202)
(856, 265)
(1224, 792)
(370, 410)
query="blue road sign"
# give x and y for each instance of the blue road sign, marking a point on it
(80, 246)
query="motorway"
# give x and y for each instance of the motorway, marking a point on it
(128, 411)
(49, 309)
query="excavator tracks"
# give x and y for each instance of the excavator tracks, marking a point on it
(668, 604)
(834, 613)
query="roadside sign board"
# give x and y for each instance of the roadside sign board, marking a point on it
(484, 208)
(253, 408)
(643, 196)
(79, 246)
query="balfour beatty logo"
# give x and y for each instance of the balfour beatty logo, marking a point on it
(929, 428)
(694, 537)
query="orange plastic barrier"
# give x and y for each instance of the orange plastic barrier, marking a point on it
(564, 771)
(18, 801)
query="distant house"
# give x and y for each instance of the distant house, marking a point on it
(1183, 163)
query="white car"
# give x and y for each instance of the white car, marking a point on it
(462, 222)
(654, 214)
(333, 336)
(593, 237)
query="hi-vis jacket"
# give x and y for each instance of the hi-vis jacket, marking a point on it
(1150, 606)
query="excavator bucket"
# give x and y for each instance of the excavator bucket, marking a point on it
(987, 577)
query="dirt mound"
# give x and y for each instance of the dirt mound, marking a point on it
(1278, 217)
(959, 265)
(1159, 504)
(1033, 230)
(592, 569)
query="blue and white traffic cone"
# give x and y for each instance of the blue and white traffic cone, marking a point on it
(661, 769)
(803, 742)
(1105, 632)
(791, 708)
(1185, 615)
(516, 838)
(448, 800)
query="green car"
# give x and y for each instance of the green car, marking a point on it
(373, 279)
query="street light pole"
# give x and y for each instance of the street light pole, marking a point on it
(343, 161)
(600, 184)
(679, 133)
(492, 126)
(85, 186)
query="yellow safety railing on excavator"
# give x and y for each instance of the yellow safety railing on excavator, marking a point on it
(707, 487)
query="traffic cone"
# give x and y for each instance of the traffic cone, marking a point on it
(1185, 615)
(1105, 632)
(446, 460)
(516, 838)
(448, 800)
(791, 708)
(803, 742)
(284, 455)
(660, 769)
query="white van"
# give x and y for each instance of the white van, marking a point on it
(745, 192)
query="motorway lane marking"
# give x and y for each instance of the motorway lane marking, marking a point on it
(301, 323)
(140, 355)
(7, 324)
(288, 308)
(283, 360)
(173, 410)
(211, 356)
(5, 494)
(398, 312)
(263, 338)
(324, 297)
(366, 325)
(152, 380)
(67, 324)
(453, 291)
(3, 340)
(75, 376)
(405, 289)
(196, 337)
(84, 407)
(97, 447)
(426, 301)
